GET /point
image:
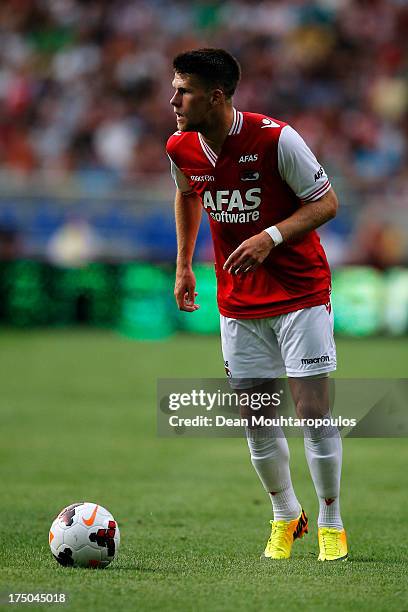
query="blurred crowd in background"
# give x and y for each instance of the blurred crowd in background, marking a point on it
(85, 88)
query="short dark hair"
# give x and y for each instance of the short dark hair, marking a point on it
(215, 68)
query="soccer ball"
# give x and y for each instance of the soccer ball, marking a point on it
(84, 535)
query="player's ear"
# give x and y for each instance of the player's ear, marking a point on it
(217, 97)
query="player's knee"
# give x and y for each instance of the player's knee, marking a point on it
(307, 409)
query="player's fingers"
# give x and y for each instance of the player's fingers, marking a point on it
(233, 258)
(189, 296)
(237, 267)
(253, 265)
(186, 306)
(192, 308)
(237, 263)
(247, 262)
(188, 302)
(243, 268)
(180, 295)
(179, 300)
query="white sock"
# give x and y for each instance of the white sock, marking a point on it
(270, 458)
(323, 448)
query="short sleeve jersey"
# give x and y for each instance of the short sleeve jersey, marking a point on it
(263, 174)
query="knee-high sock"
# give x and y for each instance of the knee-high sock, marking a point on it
(270, 458)
(323, 448)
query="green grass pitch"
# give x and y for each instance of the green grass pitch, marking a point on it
(78, 421)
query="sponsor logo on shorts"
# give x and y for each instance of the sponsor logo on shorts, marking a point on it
(310, 360)
(227, 370)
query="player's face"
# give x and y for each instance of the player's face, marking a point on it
(191, 102)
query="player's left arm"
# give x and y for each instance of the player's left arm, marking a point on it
(307, 179)
(309, 217)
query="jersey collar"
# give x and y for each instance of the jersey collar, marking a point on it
(237, 122)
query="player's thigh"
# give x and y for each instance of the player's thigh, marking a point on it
(306, 341)
(250, 350)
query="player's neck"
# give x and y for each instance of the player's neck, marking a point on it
(217, 131)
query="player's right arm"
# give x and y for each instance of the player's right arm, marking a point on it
(188, 212)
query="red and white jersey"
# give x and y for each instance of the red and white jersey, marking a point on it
(263, 174)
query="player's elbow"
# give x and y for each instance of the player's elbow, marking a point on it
(335, 206)
(332, 204)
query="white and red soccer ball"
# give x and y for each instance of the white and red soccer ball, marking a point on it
(84, 535)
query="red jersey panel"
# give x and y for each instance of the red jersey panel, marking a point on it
(243, 193)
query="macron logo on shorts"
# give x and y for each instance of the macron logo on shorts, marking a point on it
(322, 359)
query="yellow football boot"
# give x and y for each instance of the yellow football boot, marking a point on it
(332, 544)
(283, 534)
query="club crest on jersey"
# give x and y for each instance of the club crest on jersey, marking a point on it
(249, 175)
(248, 158)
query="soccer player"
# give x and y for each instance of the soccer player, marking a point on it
(265, 194)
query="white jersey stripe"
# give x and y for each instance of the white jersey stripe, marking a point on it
(210, 155)
(234, 121)
(210, 152)
(240, 122)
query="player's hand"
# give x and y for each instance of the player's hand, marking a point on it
(184, 290)
(250, 254)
